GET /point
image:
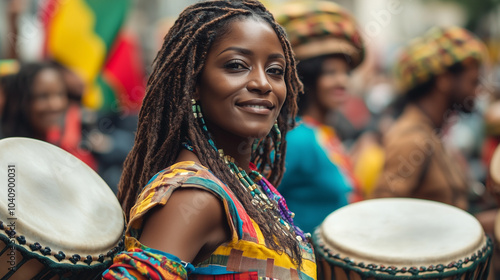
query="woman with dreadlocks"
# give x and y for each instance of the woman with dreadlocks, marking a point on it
(218, 105)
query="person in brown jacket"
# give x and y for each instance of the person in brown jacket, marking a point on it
(438, 74)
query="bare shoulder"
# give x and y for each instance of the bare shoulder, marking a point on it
(192, 221)
(186, 155)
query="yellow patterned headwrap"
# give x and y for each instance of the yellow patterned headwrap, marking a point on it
(433, 53)
(320, 28)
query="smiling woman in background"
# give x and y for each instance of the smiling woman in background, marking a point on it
(37, 106)
(37, 101)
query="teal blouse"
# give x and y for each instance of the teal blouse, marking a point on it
(313, 185)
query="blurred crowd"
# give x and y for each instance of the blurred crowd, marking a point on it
(81, 86)
(81, 90)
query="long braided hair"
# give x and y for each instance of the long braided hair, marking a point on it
(166, 118)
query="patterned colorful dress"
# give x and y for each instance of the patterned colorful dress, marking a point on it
(244, 257)
(318, 175)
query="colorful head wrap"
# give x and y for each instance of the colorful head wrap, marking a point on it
(320, 28)
(433, 53)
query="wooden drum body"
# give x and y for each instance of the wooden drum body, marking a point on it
(401, 238)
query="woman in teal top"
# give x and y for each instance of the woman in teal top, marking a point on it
(318, 177)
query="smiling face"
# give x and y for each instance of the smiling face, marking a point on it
(331, 85)
(242, 86)
(49, 100)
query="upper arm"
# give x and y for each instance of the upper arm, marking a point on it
(191, 219)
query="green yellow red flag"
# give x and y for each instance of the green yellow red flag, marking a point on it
(81, 35)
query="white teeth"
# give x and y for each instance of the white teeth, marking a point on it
(256, 106)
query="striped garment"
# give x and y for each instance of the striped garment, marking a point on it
(244, 257)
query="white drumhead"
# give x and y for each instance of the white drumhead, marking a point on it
(402, 232)
(60, 202)
(495, 166)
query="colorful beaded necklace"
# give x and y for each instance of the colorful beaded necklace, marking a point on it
(264, 196)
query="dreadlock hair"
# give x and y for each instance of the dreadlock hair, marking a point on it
(166, 118)
(18, 95)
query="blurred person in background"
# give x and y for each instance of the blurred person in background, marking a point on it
(38, 103)
(319, 177)
(7, 83)
(492, 123)
(490, 144)
(4, 81)
(37, 106)
(8, 69)
(438, 75)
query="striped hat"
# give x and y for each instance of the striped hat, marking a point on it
(321, 28)
(433, 53)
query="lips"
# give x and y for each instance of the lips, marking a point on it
(339, 91)
(257, 106)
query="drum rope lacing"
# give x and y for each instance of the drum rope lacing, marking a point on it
(482, 254)
(59, 256)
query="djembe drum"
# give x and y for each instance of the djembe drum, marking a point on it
(401, 238)
(58, 218)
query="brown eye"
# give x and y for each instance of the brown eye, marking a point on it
(235, 65)
(276, 71)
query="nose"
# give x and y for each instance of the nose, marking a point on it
(259, 82)
(344, 79)
(58, 102)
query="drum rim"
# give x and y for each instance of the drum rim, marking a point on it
(390, 271)
(353, 250)
(43, 252)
